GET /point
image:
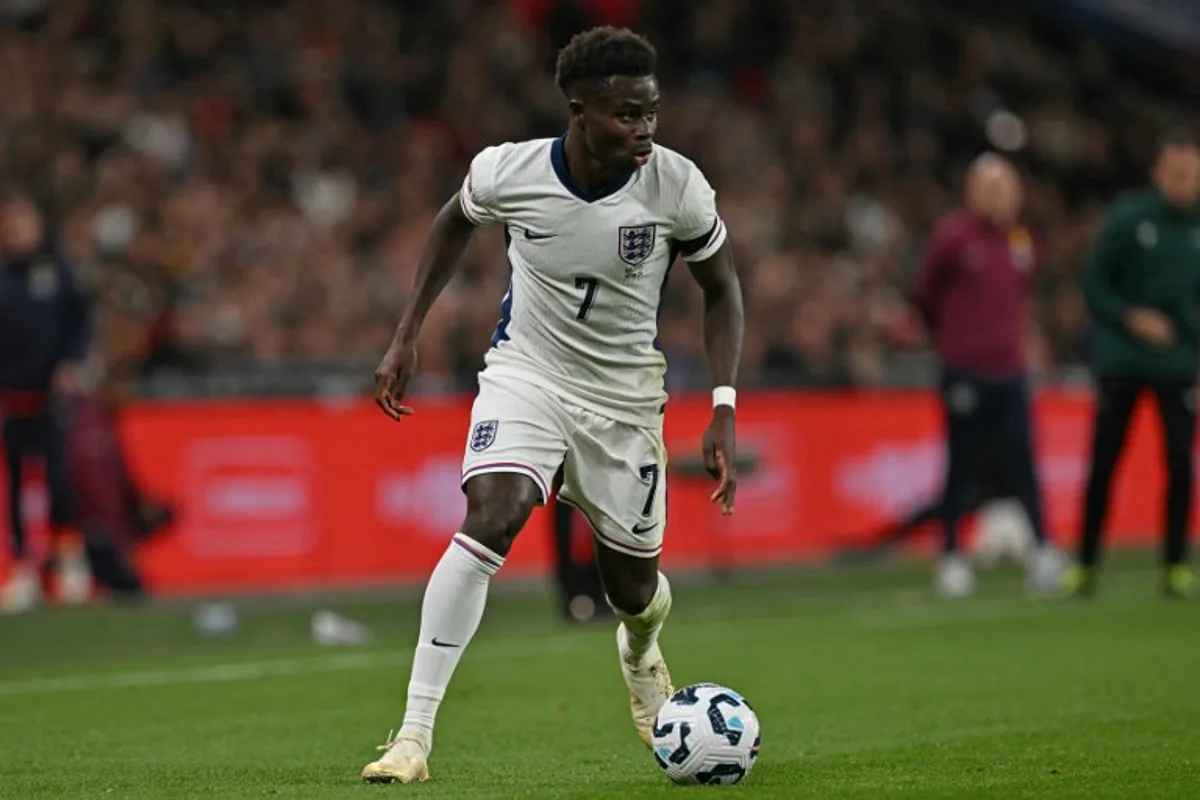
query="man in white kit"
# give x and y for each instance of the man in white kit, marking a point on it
(593, 221)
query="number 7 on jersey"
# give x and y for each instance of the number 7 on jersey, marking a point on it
(589, 286)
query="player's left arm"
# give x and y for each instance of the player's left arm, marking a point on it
(701, 239)
(724, 327)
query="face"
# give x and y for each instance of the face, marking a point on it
(994, 191)
(21, 228)
(618, 121)
(1177, 174)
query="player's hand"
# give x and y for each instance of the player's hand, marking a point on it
(392, 377)
(720, 457)
(1151, 326)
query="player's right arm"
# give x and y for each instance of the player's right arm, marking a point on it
(473, 206)
(447, 240)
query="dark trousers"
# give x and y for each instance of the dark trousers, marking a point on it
(981, 490)
(1115, 401)
(576, 577)
(26, 438)
(978, 410)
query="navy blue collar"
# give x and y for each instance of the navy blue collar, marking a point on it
(558, 158)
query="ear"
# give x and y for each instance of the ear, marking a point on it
(576, 109)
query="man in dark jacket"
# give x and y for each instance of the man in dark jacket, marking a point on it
(1142, 284)
(45, 333)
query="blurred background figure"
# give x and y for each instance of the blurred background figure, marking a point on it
(113, 513)
(1143, 289)
(45, 333)
(973, 290)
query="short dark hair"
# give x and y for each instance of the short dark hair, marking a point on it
(1177, 136)
(598, 54)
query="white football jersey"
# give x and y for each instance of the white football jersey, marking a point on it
(587, 271)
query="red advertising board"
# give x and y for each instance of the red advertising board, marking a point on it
(302, 494)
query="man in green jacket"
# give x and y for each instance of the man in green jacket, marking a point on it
(1142, 284)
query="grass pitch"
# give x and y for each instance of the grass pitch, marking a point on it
(866, 686)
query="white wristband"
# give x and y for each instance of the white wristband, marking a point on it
(725, 396)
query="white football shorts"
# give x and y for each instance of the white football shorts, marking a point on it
(613, 472)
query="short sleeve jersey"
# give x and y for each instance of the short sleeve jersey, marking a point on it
(587, 270)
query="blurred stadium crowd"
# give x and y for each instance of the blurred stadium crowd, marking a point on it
(253, 182)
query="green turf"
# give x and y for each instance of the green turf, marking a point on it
(866, 687)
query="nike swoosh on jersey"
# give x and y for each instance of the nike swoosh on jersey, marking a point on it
(436, 643)
(640, 529)
(537, 237)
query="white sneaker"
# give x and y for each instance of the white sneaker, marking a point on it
(649, 684)
(74, 580)
(955, 578)
(22, 592)
(405, 760)
(1045, 568)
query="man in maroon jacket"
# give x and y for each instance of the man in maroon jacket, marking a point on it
(111, 510)
(973, 290)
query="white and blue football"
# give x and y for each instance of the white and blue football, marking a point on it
(706, 734)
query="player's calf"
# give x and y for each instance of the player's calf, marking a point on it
(497, 507)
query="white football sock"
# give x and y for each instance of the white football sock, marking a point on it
(643, 628)
(450, 614)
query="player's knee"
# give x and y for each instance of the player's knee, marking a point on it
(633, 597)
(496, 523)
(498, 509)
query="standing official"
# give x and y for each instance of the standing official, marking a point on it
(973, 290)
(45, 330)
(1142, 284)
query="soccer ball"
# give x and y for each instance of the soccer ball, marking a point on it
(1003, 534)
(706, 734)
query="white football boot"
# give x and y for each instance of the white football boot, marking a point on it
(649, 685)
(22, 592)
(405, 760)
(1045, 570)
(955, 577)
(74, 579)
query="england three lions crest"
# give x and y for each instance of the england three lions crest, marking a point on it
(483, 435)
(635, 243)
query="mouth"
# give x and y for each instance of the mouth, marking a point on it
(641, 154)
